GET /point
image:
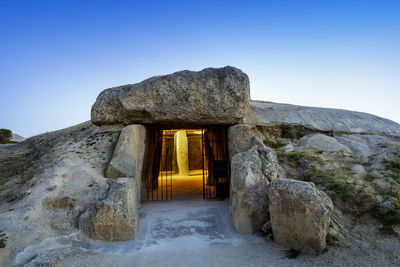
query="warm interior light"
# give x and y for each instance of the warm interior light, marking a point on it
(196, 131)
(185, 173)
(182, 150)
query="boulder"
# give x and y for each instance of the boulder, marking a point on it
(210, 96)
(268, 114)
(300, 214)
(322, 142)
(114, 218)
(128, 157)
(239, 138)
(251, 172)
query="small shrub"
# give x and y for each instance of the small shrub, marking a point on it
(393, 165)
(286, 131)
(370, 177)
(331, 240)
(392, 168)
(310, 155)
(5, 135)
(334, 183)
(3, 240)
(273, 143)
(340, 184)
(391, 216)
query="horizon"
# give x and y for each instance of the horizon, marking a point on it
(58, 56)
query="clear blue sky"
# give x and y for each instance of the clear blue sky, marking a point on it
(57, 56)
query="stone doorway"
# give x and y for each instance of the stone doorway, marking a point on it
(186, 163)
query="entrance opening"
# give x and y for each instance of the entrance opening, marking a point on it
(186, 163)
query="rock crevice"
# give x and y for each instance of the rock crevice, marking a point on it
(251, 173)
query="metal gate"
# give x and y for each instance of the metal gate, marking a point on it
(159, 167)
(157, 170)
(215, 164)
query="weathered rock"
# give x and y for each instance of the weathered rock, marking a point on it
(111, 128)
(210, 96)
(114, 218)
(383, 186)
(386, 207)
(303, 162)
(239, 138)
(127, 160)
(358, 171)
(323, 142)
(370, 147)
(300, 215)
(321, 119)
(251, 172)
(288, 148)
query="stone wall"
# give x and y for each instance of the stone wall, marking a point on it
(115, 218)
(128, 157)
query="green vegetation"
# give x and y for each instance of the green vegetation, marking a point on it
(5, 136)
(3, 240)
(334, 182)
(331, 240)
(390, 215)
(392, 168)
(355, 196)
(273, 143)
(311, 155)
(293, 132)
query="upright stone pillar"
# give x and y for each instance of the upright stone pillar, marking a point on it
(128, 157)
(182, 155)
(239, 139)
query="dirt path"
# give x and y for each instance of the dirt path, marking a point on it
(199, 233)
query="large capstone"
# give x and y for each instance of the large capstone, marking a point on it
(210, 96)
(251, 172)
(114, 218)
(300, 214)
(127, 160)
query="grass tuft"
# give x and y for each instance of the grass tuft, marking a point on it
(331, 240)
(392, 168)
(3, 240)
(311, 155)
(273, 143)
(339, 183)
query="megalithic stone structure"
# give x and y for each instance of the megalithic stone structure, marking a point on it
(182, 153)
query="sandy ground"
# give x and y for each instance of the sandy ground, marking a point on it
(199, 233)
(69, 174)
(178, 187)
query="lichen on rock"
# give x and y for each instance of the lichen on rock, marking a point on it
(251, 173)
(300, 215)
(210, 96)
(114, 218)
